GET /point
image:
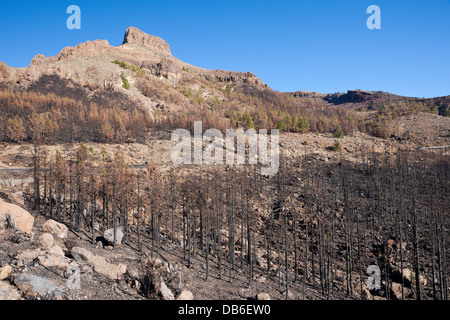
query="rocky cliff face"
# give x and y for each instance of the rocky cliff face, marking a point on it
(134, 35)
(165, 68)
(234, 77)
(306, 94)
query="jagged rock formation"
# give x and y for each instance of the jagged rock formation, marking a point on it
(165, 68)
(234, 77)
(306, 94)
(134, 35)
(352, 96)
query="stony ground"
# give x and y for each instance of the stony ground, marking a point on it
(109, 274)
(120, 274)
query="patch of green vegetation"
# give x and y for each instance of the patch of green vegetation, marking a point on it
(338, 133)
(126, 83)
(281, 125)
(305, 143)
(241, 119)
(434, 109)
(447, 112)
(336, 146)
(125, 65)
(228, 88)
(291, 123)
(214, 101)
(248, 121)
(187, 93)
(196, 96)
(121, 64)
(185, 69)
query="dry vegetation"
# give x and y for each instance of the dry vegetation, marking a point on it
(312, 226)
(29, 116)
(72, 113)
(335, 207)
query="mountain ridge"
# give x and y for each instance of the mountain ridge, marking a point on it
(142, 74)
(147, 51)
(89, 65)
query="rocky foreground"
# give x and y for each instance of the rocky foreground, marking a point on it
(42, 259)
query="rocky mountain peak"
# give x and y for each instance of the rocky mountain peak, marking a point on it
(134, 35)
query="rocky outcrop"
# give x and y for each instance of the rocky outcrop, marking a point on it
(112, 271)
(56, 250)
(134, 35)
(12, 215)
(99, 264)
(38, 59)
(165, 68)
(352, 96)
(108, 235)
(81, 255)
(306, 94)
(85, 50)
(234, 77)
(46, 240)
(57, 229)
(54, 260)
(27, 256)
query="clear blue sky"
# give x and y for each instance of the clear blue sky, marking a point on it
(314, 45)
